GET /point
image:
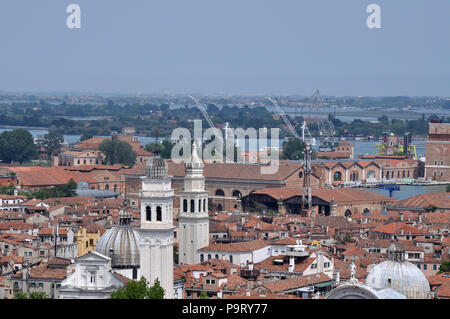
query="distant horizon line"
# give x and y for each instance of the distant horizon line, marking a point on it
(211, 94)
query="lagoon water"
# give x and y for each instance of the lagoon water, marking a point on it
(407, 191)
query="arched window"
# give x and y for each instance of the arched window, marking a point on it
(403, 174)
(220, 192)
(387, 175)
(348, 213)
(148, 213)
(107, 187)
(216, 256)
(366, 211)
(231, 258)
(185, 205)
(115, 188)
(209, 256)
(371, 174)
(237, 193)
(204, 204)
(219, 207)
(84, 161)
(192, 206)
(202, 258)
(158, 213)
(199, 205)
(337, 176)
(354, 176)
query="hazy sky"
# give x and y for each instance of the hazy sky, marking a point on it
(227, 46)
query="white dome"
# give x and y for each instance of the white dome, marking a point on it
(402, 276)
(122, 241)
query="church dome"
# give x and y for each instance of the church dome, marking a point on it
(156, 168)
(400, 275)
(121, 243)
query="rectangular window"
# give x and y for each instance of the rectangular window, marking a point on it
(425, 267)
(33, 285)
(434, 267)
(41, 285)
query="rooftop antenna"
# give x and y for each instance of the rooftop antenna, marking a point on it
(157, 150)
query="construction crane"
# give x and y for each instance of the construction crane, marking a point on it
(203, 110)
(306, 190)
(305, 139)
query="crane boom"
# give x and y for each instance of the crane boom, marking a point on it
(285, 119)
(203, 110)
(306, 190)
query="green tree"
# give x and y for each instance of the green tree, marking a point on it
(52, 143)
(156, 291)
(294, 149)
(66, 190)
(204, 295)
(139, 290)
(118, 152)
(165, 148)
(444, 267)
(31, 295)
(17, 146)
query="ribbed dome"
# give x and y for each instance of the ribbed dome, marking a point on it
(404, 277)
(123, 241)
(156, 168)
(400, 275)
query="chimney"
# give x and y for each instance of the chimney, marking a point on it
(219, 294)
(401, 216)
(250, 266)
(291, 264)
(420, 218)
(247, 292)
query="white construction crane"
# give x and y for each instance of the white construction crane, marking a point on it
(309, 140)
(203, 110)
(306, 190)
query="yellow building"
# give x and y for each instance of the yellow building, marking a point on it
(87, 238)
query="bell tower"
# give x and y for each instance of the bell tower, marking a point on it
(156, 231)
(193, 219)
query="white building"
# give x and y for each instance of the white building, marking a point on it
(193, 217)
(156, 232)
(93, 278)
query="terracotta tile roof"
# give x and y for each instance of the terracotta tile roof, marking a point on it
(52, 231)
(122, 278)
(439, 200)
(45, 273)
(3, 196)
(296, 282)
(237, 247)
(69, 201)
(269, 264)
(397, 228)
(37, 176)
(354, 251)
